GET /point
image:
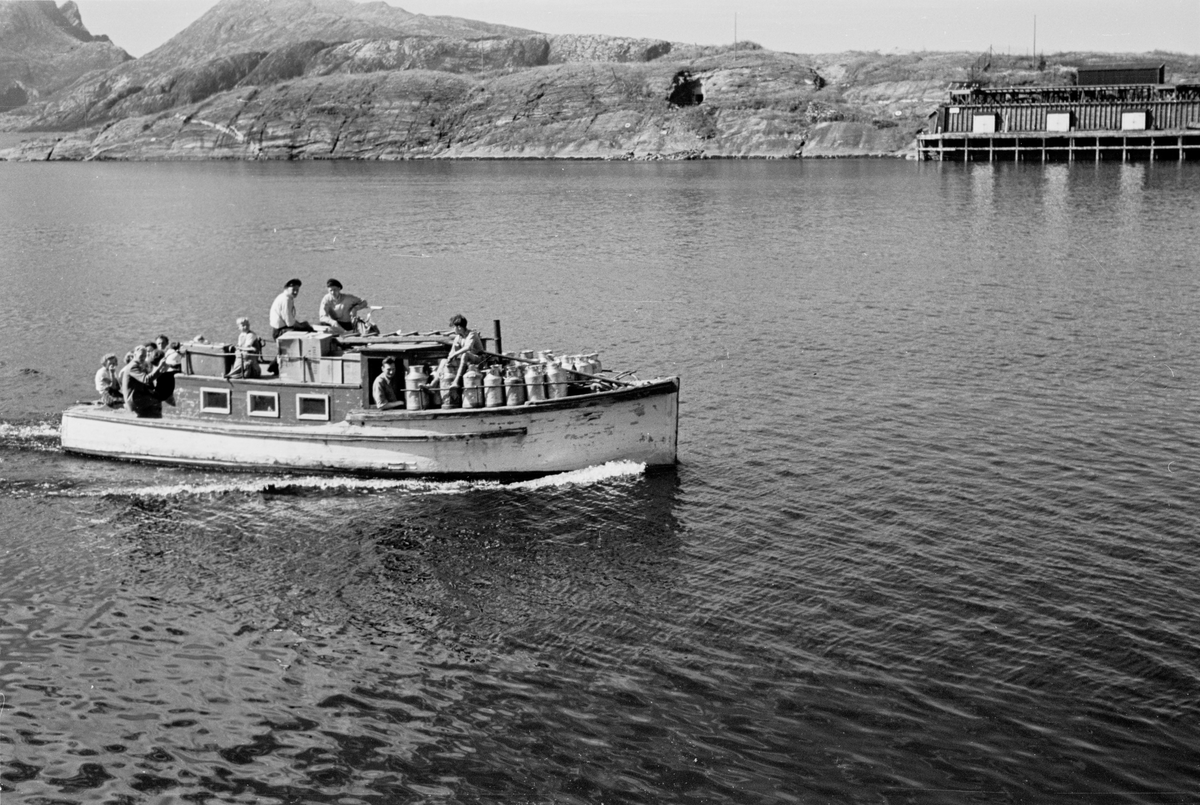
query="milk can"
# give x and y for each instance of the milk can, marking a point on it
(493, 388)
(557, 377)
(514, 386)
(472, 390)
(535, 383)
(414, 398)
(449, 392)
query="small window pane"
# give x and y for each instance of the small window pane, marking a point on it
(214, 401)
(260, 403)
(312, 406)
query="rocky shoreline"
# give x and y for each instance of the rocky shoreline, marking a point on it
(756, 105)
(291, 80)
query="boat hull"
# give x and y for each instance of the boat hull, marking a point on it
(637, 424)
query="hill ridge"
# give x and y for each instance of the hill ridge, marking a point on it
(332, 79)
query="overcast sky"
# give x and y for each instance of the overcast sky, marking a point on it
(797, 26)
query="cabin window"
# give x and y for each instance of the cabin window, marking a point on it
(214, 401)
(312, 406)
(262, 403)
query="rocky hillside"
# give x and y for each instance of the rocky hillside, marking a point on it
(332, 79)
(44, 48)
(240, 26)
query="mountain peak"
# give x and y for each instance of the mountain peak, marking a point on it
(35, 24)
(239, 26)
(44, 47)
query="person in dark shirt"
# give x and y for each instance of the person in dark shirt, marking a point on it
(382, 391)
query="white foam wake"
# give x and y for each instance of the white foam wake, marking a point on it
(42, 430)
(588, 475)
(284, 484)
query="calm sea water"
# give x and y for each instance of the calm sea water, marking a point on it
(933, 536)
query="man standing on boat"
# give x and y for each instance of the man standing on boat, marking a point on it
(138, 383)
(337, 308)
(283, 312)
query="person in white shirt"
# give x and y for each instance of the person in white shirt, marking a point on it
(283, 311)
(108, 382)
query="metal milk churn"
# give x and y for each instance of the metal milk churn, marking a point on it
(557, 377)
(493, 388)
(472, 390)
(514, 386)
(535, 383)
(414, 398)
(449, 391)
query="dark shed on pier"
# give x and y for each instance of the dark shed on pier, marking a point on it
(1112, 74)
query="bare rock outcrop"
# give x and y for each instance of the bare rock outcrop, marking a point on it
(432, 53)
(856, 139)
(585, 48)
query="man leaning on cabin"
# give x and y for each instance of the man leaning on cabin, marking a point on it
(283, 311)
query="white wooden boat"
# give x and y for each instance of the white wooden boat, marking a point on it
(317, 415)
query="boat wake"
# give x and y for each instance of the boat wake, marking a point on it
(298, 485)
(583, 477)
(30, 435)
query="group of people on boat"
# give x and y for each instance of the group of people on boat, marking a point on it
(145, 381)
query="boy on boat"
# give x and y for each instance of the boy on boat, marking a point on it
(467, 349)
(247, 349)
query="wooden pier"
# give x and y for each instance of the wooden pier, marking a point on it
(1123, 123)
(1080, 146)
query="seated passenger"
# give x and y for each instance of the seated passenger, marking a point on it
(337, 309)
(283, 312)
(382, 391)
(162, 344)
(467, 349)
(247, 350)
(153, 354)
(174, 357)
(164, 383)
(108, 382)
